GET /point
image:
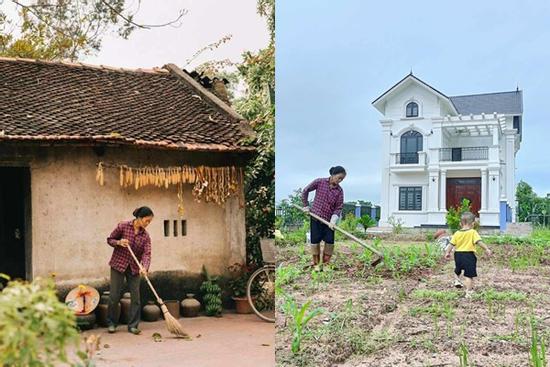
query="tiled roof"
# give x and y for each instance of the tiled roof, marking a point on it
(162, 107)
(503, 102)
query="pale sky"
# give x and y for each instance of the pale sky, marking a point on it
(334, 58)
(207, 21)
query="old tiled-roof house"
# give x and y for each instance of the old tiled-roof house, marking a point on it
(73, 140)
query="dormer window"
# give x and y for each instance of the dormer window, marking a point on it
(412, 109)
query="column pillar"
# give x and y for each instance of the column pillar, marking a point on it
(433, 192)
(484, 192)
(385, 210)
(443, 191)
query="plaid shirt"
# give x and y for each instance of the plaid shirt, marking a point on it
(140, 243)
(328, 200)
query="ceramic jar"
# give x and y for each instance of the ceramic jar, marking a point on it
(190, 307)
(151, 312)
(125, 308)
(173, 307)
(102, 310)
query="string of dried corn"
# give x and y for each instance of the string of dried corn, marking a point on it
(210, 184)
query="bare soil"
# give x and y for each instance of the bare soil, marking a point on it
(386, 330)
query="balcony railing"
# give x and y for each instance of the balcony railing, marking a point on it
(406, 158)
(463, 154)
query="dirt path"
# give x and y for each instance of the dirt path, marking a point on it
(232, 340)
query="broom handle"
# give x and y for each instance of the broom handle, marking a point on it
(159, 300)
(349, 235)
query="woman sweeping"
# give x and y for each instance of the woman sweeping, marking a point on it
(328, 203)
(129, 233)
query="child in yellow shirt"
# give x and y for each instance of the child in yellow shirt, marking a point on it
(464, 242)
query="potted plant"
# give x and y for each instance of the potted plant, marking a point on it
(241, 274)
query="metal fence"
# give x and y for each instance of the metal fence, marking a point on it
(539, 219)
(463, 154)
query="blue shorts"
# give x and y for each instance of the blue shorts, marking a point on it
(320, 232)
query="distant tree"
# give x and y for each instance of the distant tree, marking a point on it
(61, 29)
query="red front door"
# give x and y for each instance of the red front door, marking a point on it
(464, 188)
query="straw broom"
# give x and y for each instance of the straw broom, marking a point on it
(173, 326)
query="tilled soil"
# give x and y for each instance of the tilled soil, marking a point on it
(496, 332)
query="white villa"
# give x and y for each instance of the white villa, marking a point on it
(437, 150)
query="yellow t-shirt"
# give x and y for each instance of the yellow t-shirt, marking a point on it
(465, 240)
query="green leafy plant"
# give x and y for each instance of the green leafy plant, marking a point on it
(397, 224)
(463, 355)
(212, 294)
(36, 328)
(241, 273)
(300, 317)
(454, 213)
(537, 351)
(366, 221)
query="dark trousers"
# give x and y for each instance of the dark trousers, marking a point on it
(117, 283)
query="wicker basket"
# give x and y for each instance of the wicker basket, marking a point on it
(268, 250)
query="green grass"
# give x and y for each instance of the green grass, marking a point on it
(435, 295)
(491, 294)
(285, 275)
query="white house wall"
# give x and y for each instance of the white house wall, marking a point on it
(496, 172)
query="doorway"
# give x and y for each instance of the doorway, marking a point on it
(464, 188)
(15, 222)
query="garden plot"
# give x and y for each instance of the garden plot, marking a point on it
(406, 313)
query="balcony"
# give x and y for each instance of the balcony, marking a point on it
(463, 154)
(408, 162)
(406, 158)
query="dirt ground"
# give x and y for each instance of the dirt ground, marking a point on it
(232, 340)
(419, 319)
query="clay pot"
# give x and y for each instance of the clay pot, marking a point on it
(241, 305)
(86, 322)
(190, 307)
(173, 307)
(125, 308)
(102, 310)
(151, 312)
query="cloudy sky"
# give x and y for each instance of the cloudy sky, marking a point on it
(207, 21)
(335, 58)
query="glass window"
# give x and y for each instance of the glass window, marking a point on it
(410, 198)
(412, 109)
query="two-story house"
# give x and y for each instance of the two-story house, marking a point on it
(438, 150)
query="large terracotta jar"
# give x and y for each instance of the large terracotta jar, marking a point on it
(151, 312)
(190, 307)
(125, 308)
(173, 307)
(102, 310)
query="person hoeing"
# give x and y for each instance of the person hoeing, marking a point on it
(327, 204)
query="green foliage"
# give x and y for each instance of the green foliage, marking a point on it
(454, 214)
(285, 275)
(435, 295)
(491, 294)
(241, 273)
(258, 106)
(399, 261)
(212, 294)
(529, 203)
(300, 317)
(463, 355)
(366, 221)
(36, 328)
(290, 214)
(56, 30)
(396, 223)
(537, 351)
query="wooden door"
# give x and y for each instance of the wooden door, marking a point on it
(464, 188)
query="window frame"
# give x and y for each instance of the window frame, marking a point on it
(412, 115)
(412, 200)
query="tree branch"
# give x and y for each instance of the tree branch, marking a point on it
(182, 12)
